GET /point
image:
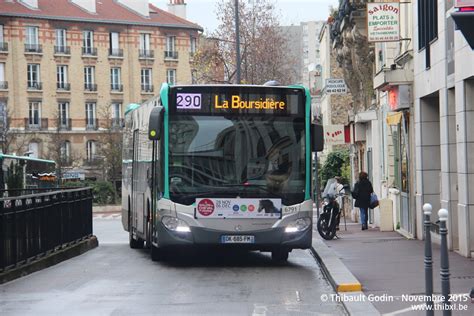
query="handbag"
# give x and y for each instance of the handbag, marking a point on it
(374, 200)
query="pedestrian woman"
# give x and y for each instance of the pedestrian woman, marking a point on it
(361, 193)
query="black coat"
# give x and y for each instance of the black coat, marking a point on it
(362, 191)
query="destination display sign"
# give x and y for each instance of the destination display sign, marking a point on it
(238, 101)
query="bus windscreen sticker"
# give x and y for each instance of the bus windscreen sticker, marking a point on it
(188, 101)
(238, 208)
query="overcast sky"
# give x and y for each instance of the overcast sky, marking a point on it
(202, 12)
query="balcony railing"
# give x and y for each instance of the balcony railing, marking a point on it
(33, 48)
(147, 88)
(63, 86)
(38, 124)
(116, 52)
(65, 124)
(92, 124)
(116, 87)
(146, 53)
(171, 54)
(3, 47)
(35, 85)
(116, 122)
(90, 86)
(3, 85)
(93, 161)
(89, 51)
(65, 50)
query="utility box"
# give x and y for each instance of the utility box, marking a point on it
(386, 215)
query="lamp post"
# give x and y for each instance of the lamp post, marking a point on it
(237, 41)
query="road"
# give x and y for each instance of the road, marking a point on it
(116, 280)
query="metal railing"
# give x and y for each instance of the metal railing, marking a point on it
(146, 53)
(31, 124)
(147, 88)
(116, 52)
(90, 86)
(63, 86)
(66, 50)
(3, 47)
(171, 54)
(32, 226)
(116, 122)
(35, 85)
(92, 124)
(65, 124)
(3, 85)
(89, 51)
(33, 48)
(116, 87)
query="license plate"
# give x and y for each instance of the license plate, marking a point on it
(237, 239)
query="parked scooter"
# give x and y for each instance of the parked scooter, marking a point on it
(328, 220)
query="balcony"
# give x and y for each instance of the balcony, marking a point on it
(63, 86)
(3, 85)
(146, 54)
(116, 122)
(65, 124)
(34, 125)
(62, 50)
(147, 88)
(35, 85)
(33, 48)
(115, 87)
(171, 55)
(89, 51)
(3, 47)
(93, 161)
(115, 52)
(92, 124)
(90, 86)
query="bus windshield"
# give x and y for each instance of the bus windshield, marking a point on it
(230, 156)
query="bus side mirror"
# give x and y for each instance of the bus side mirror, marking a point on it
(155, 123)
(317, 137)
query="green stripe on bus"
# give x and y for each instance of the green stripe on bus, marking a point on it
(164, 92)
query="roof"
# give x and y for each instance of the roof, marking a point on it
(107, 11)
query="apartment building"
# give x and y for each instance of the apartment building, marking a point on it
(69, 68)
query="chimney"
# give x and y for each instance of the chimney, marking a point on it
(30, 3)
(88, 5)
(178, 8)
(138, 6)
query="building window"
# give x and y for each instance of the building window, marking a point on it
(145, 45)
(3, 83)
(32, 35)
(61, 44)
(62, 78)
(34, 119)
(89, 78)
(116, 114)
(88, 42)
(90, 150)
(33, 74)
(428, 22)
(33, 149)
(1, 33)
(170, 47)
(114, 44)
(193, 46)
(171, 76)
(91, 116)
(146, 80)
(115, 79)
(63, 110)
(65, 151)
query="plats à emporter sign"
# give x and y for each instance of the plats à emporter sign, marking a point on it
(383, 21)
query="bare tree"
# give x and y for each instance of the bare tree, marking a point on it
(11, 140)
(263, 45)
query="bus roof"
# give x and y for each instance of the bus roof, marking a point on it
(131, 107)
(237, 85)
(2, 156)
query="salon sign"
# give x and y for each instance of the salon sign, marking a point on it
(383, 21)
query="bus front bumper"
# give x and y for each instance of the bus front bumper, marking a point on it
(265, 240)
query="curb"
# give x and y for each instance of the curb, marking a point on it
(50, 260)
(342, 280)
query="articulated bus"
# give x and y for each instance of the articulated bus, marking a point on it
(220, 165)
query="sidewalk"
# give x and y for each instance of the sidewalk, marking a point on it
(387, 263)
(107, 209)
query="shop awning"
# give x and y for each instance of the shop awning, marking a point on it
(394, 118)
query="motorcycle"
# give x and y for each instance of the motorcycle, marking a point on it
(328, 220)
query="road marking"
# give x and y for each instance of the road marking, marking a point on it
(298, 298)
(259, 310)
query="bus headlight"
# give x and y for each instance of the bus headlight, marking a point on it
(298, 225)
(175, 224)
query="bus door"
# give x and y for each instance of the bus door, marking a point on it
(138, 194)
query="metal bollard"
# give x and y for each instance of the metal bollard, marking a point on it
(444, 267)
(428, 259)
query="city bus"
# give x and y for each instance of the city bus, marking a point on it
(220, 165)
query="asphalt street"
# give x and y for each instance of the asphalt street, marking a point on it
(116, 280)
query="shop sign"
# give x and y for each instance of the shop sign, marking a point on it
(383, 22)
(336, 86)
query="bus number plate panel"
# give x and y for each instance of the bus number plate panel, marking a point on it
(237, 239)
(188, 101)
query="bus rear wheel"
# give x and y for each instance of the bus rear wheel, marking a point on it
(280, 255)
(134, 243)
